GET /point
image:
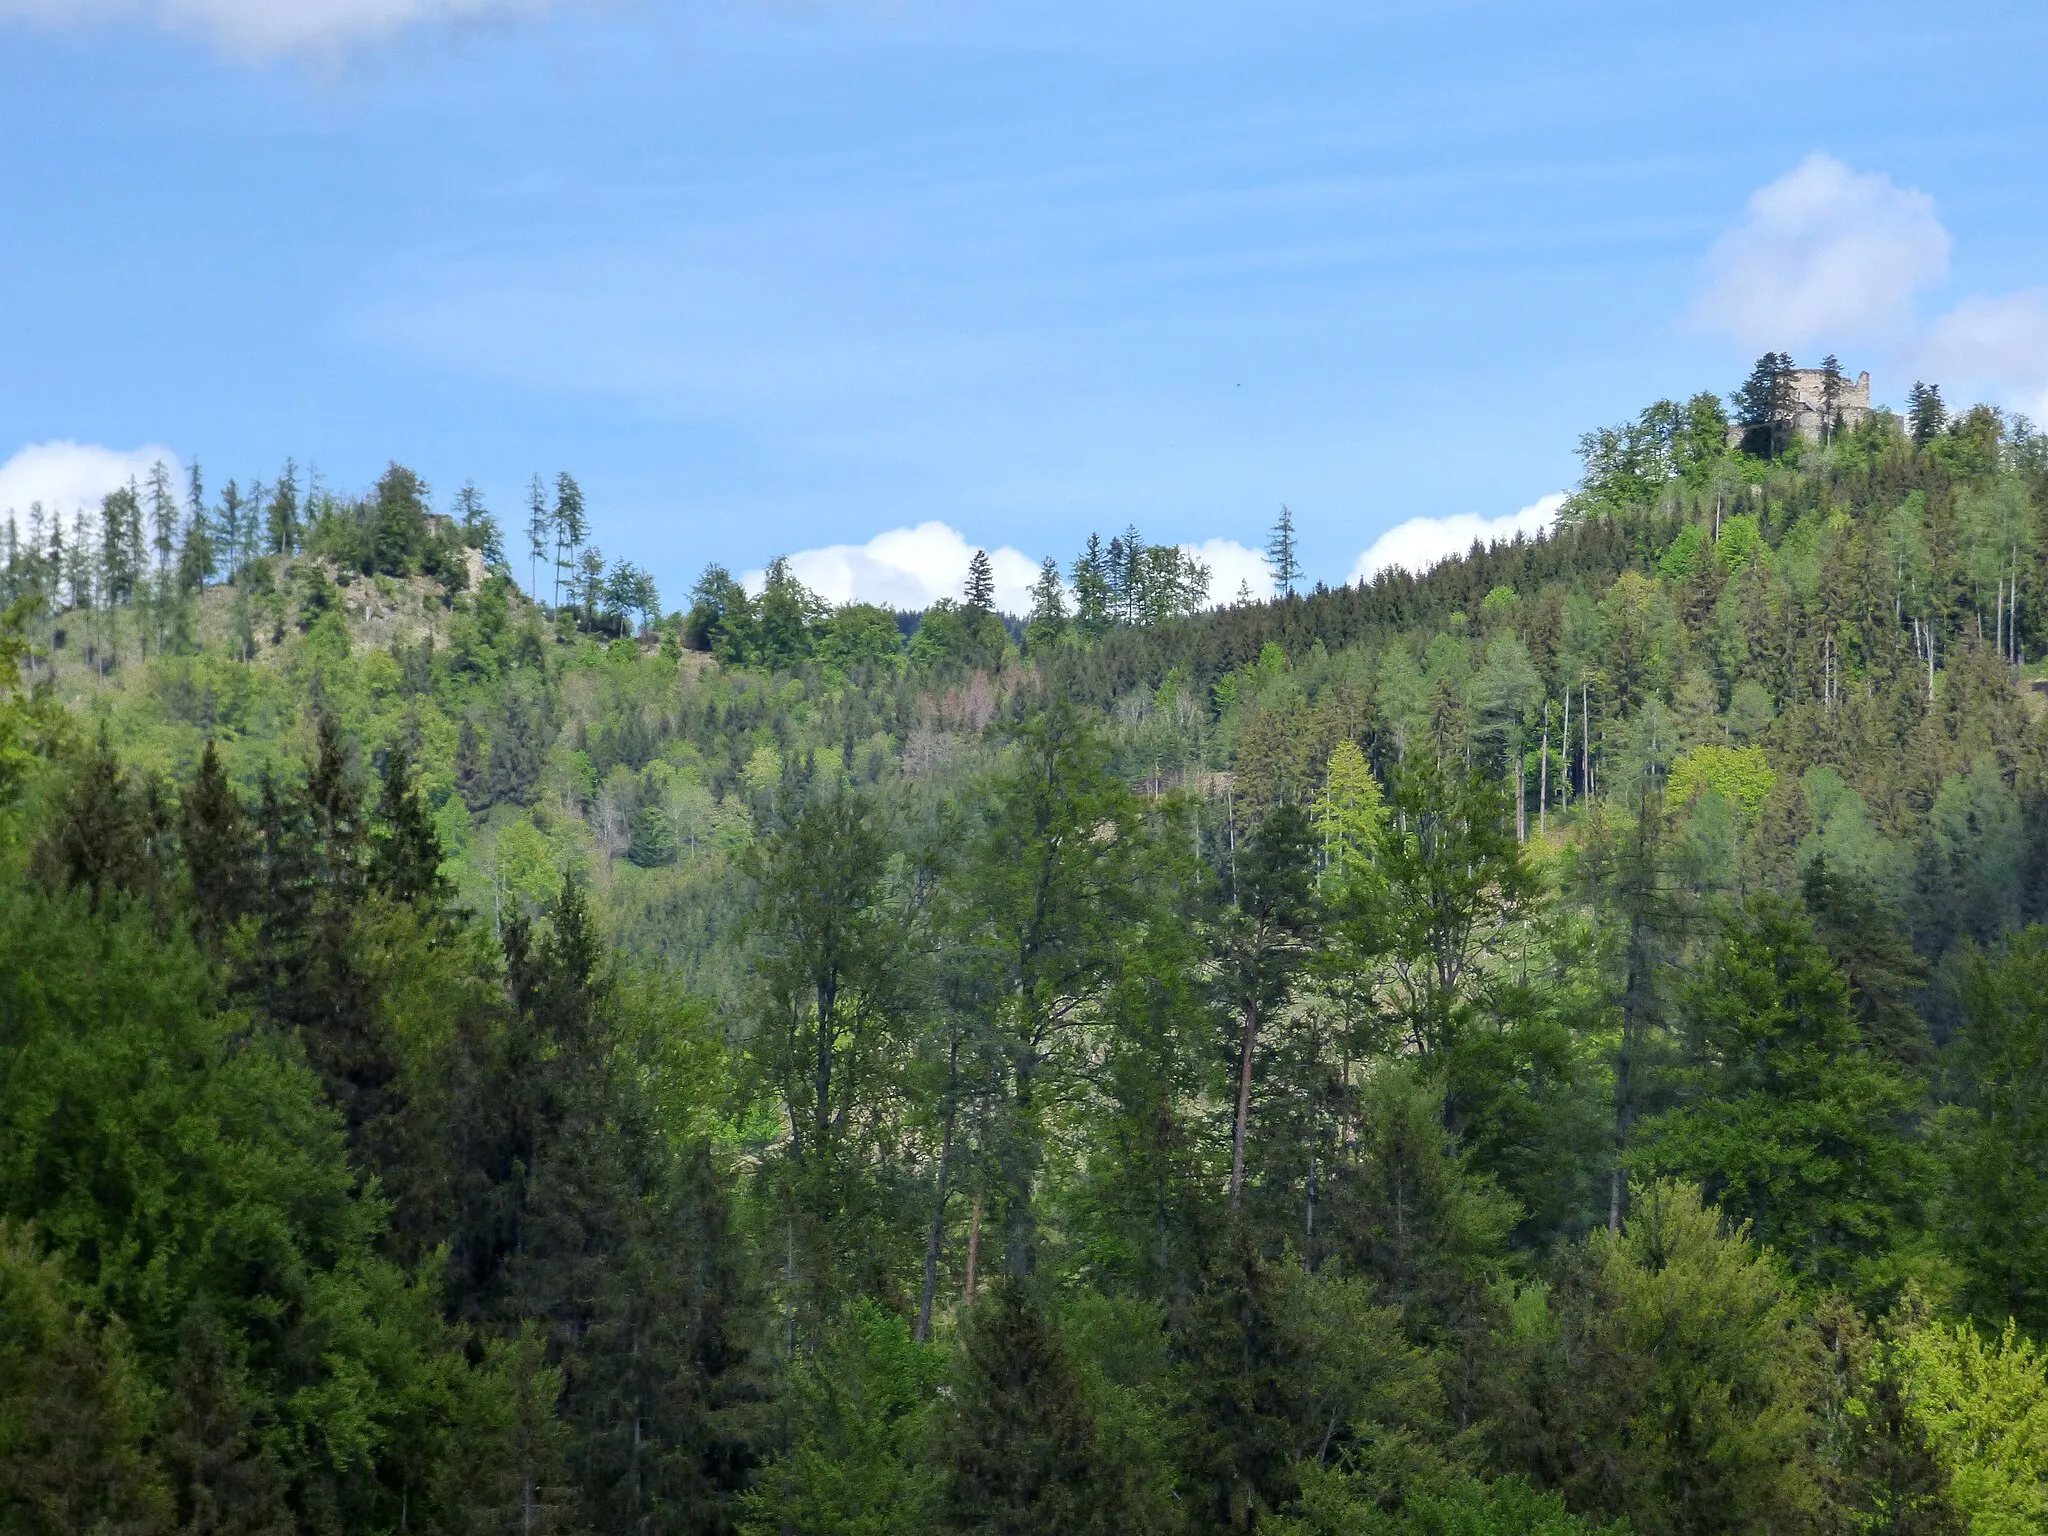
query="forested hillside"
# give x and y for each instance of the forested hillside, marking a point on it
(1555, 1044)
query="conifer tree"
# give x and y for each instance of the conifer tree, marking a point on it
(120, 558)
(1925, 413)
(980, 590)
(540, 526)
(1020, 1451)
(1788, 1116)
(229, 517)
(1350, 817)
(214, 837)
(1046, 625)
(1831, 387)
(1093, 615)
(1282, 558)
(570, 530)
(1763, 405)
(163, 516)
(283, 514)
(74, 1409)
(406, 861)
(1261, 944)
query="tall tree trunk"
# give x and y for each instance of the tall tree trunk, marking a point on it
(1244, 1102)
(931, 1247)
(973, 1248)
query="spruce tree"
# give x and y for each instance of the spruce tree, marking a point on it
(1831, 386)
(283, 525)
(1093, 615)
(980, 589)
(214, 837)
(570, 530)
(230, 517)
(472, 767)
(1046, 625)
(1787, 1118)
(1763, 405)
(406, 861)
(1019, 1449)
(1262, 942)
(1282, 558)
(540, 527)
(1925, 413)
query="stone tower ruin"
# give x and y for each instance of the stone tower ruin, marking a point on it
(1807, 404)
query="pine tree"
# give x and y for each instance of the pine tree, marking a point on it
(1092, 593)
(1127, 574)
(981, 584)
(1019, 1452)
(219, 852)
(229, 518)
(74, 1409)
(120, 545)
(1925, 413)
(1281, 556)
(1763, 405)
(1047, 624)
(163, 516)
(406, 862)
(1788, 1118)
(472, 771)
(1830, 397)
(199, 555)
(570, 530)
(1262, 942)
(1350, 816)
(540, 527)
(480, 530)
(283, 525)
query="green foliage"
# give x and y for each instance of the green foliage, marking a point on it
(951, 635)
(74, 1410)
(1351, 817)
(1984, 1409)
(1665, 1382)
(1021, 1450)
(863, 1407)
(475, 1068)
(1740, 775)
(1996, 1137)
(1788, 1119)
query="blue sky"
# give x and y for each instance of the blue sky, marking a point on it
(779, 276)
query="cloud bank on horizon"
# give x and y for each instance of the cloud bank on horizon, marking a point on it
(911, 568)
(1423, 542)
(1826, 255)
(263, 29)
(66, 477)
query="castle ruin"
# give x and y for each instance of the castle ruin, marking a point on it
(1809, 410)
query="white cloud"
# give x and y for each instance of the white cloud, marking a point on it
(1998, 345)
(1421, 542)
(907, 568)
(67, 476)
(266, 28)
(1823, 253)
(1231, 565)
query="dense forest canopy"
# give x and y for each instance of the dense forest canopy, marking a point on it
(1553, 1044)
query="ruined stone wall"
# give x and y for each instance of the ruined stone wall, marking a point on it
(1809, 394)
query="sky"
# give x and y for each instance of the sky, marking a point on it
(874, 284)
